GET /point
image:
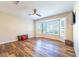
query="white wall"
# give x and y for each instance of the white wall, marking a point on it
(11, 26)
(76, 34)
(76, 30)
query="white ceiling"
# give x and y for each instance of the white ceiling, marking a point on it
(45, 8)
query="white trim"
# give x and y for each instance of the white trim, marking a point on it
(7, 42)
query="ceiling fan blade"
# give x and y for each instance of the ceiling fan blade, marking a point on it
(38, 15)
(30, 14)
(34, 11)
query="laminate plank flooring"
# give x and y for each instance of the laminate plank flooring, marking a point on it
(36, 47)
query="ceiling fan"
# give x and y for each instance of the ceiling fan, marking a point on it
(16, 2)
(35, 12)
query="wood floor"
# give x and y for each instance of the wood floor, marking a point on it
(36, 48)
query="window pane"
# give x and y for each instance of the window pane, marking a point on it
(52, 27)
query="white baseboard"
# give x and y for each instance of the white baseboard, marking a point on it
(7, 41)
